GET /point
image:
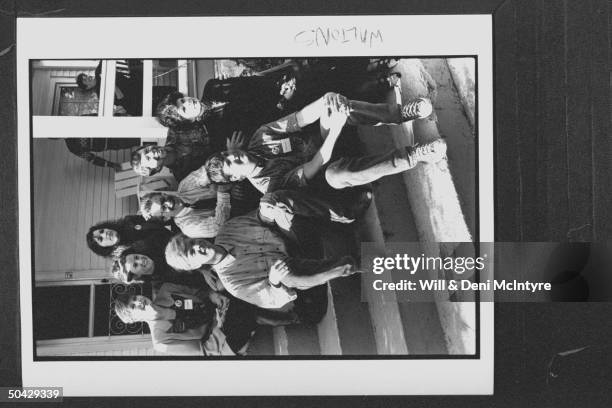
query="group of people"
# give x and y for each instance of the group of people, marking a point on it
(238, 244)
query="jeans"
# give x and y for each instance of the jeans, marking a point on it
(322, 204)
(351, 172)
(357, 171)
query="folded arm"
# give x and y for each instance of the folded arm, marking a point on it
(261, 293)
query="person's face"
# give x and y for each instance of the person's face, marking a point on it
(151, 160)
(140, 307)
(189, 108)
(163, 206)
(137, 266)
(89, 81)
(238, 165)
(105, 237)
(199, 252)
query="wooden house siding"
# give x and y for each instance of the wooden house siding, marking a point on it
(69, 195)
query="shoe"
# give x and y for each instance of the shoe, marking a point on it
(416, 109)
(390, 81)
(431, 152)
(382, 64)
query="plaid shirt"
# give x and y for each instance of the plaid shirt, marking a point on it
(196, 186)
(252, 250)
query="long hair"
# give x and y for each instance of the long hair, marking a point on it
(146, 202)
(214, 166)
(127, 231)
(176, 252)
(135, 159)
(117, 225)
(214, 169)
(122, 310)
(160, 268)
(167, 113)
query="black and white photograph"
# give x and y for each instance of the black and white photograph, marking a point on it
(204, 211)
(285, 203)
(252, 204)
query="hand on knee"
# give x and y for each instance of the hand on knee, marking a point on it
(279, 273)
(337, 102)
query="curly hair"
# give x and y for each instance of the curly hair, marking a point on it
(146, 202)
(122, 309)
(130, 232)
(117, 225)
(135, 163)
(167, 113)
(118, 270)
(214, 169)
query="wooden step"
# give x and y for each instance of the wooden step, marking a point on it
(352, 332)
(383, 307)
(327, 329)
(402, 328)
(285, 341)
(262, 343)
(420, 321)
(434, 200)
(298, 340)
(353, 320)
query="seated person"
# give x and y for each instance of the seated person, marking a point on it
(183, 154)
(314, 76)
(282, 206)
(240, 103)
(329, 181)
(195, 218)
(181, 112)
(190, 120)
(107, 237)
(83, 148)
(188, 321)
(179, 159)
(254, 264)
(133, 267)
(332, 111)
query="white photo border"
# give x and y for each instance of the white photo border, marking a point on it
(46, 38)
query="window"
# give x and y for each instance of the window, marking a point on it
(128, 92)
(62, 312)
